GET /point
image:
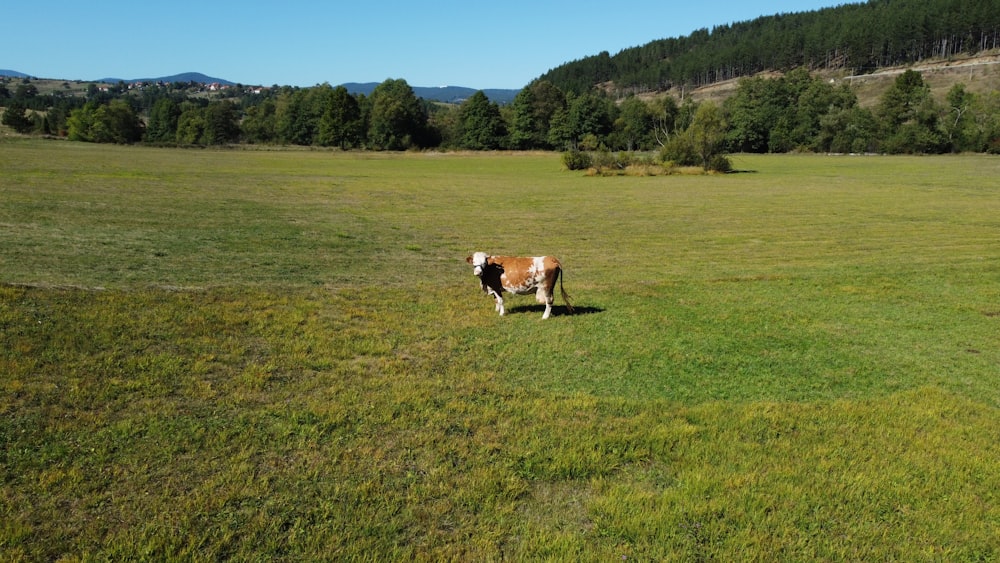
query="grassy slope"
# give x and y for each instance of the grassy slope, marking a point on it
(283, 354)
(980, 74)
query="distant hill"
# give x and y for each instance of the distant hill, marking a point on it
(856, 38)
(183, 77)
(447, 94)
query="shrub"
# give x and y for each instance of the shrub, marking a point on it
(720, 163)
(577, 160)
(605, 159)
(680, 151)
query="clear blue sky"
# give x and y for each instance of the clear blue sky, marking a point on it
(303, 43)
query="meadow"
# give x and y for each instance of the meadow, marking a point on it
(282, 355)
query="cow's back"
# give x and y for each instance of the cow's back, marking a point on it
(523, 274)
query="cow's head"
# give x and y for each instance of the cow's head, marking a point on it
(478, 261)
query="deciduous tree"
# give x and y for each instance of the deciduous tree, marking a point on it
(341, 124)
(191, 125)
(116, 122)
(259, 124)
(634, 127)
(163, 116)
(481, 125)
(397, 120)
(708, 135)
(221, 123)
(958, 122)
(591, 114)
(533, 109)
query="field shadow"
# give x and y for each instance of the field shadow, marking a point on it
(557, 310)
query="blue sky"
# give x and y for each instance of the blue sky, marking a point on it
(303, 43)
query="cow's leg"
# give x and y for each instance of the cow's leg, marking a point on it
(497, 300)
(545, 297)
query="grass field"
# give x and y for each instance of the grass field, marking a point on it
(282, 355)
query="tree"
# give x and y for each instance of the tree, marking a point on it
(481, 125)
(116, 122)
(524, 131)
(15, 116)
(397, 120)
(298, 115)
(702, 143)
(162, 127)
(591, 115)
(532, 111)
(444, 121)
(561, 134)
(191, 125)
(634, 127)
(55, 118)
(665, 114)
(959, 123)
(857, 35)
(259, 124)
(986, 114)
(817, 101)
(847, 130)
(25, 91)
(341, 124)
(708, 135)
(221, 123)
(909, 117)
(900, 102)
(80, 122)
(754, 112)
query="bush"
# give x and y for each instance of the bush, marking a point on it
(576, 160)
(604, 159)
(720, 163)
(680, 151)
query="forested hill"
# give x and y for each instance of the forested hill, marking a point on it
(860, 38)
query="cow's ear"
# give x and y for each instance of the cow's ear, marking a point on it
(469, 259)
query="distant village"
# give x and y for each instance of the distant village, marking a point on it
(204, 87)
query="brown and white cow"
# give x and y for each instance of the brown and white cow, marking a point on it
(519, 275)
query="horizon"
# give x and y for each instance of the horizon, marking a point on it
(452, 44)
(213, 79)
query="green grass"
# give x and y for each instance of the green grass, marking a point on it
(283, 355)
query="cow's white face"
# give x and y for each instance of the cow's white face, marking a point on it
(478, 263)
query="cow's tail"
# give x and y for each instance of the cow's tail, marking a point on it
(569, 306)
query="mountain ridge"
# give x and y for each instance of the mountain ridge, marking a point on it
(182, 77)
(445, 94)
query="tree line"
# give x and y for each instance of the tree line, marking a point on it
(797, 111)
(858, 37)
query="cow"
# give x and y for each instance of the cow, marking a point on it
(519, 275)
